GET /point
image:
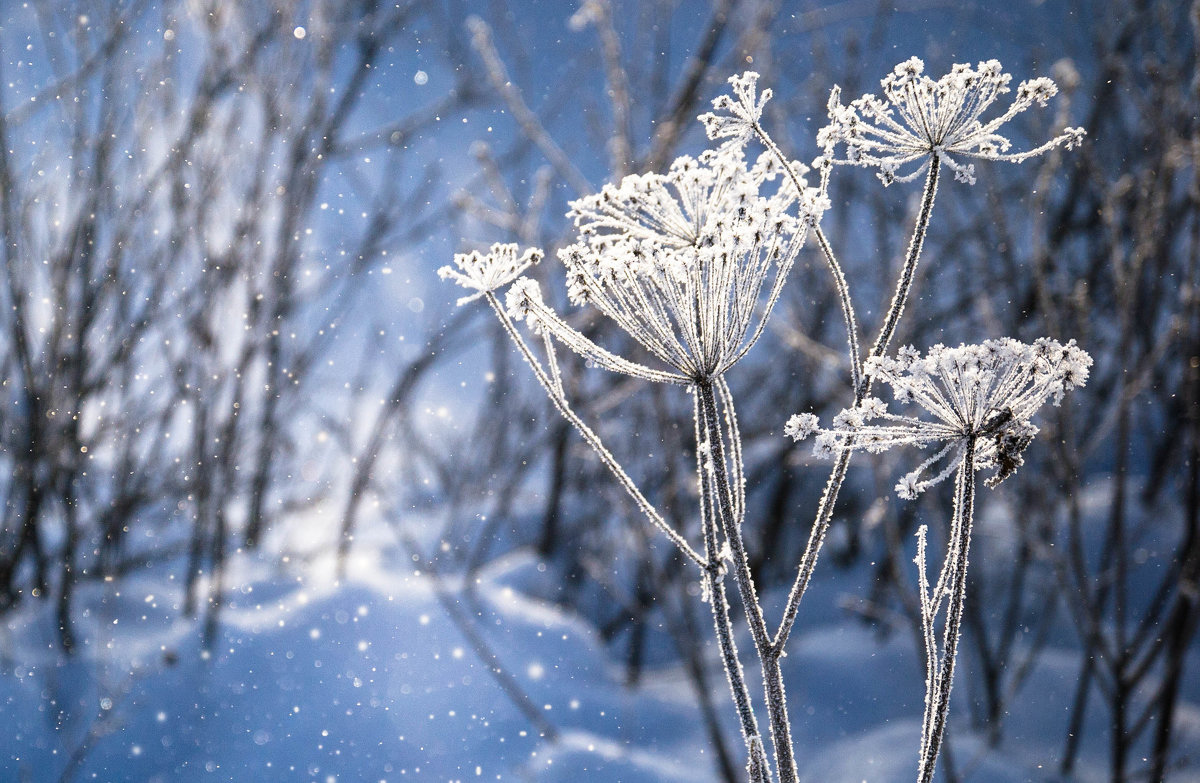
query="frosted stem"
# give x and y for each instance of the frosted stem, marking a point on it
(937, 696)
(714, 578)
(728, 512)
(816, 538)
(730, 524)
(590, 437)
(847, 307)
(835, 269)
(908, 272)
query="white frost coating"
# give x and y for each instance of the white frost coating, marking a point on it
(679, 261)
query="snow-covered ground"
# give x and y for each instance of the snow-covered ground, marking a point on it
(371, 679)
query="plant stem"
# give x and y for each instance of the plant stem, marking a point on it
(816, 538)
(731, 526)
(937, 699)
(904, 286)
(715, 580)
(835, 269)
(843, 290)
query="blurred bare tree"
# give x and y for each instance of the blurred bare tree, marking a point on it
(170, 293)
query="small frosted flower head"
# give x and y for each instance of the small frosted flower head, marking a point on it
(484, 273)
(801, 425)
(907, 357)
(872, 408)
(735, 117)
(984, 394)
(521, 298)
(907, 487)
(828, 444)
(849, 419)
(919, 119)
(1075, 365)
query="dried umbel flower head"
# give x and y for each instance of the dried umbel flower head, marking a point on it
(484, 273)
(735, 117)
(919, 118)
(679, 260)
(986, 393)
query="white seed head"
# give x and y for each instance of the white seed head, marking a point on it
(679, 260)
(919, 119)
(486, 272)
(986, 393)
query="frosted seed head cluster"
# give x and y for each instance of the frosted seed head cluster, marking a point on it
(801, 425)
(734, 117)
(486, 272)
(679, 260)
(697, 203)
(919, 118)
(522, 299)
(986, 393)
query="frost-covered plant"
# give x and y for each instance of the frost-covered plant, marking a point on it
(678, 261)
(982, 399)
(690, 265)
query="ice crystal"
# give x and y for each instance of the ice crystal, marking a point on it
(919, 118)
(988, 393)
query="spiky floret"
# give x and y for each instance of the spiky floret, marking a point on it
(734, 116)
(487, 272)
(918, 118)
(987, 393)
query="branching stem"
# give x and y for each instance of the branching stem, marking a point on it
(941, 677)
(908, 273)
(714, 578)
(590, 437)
(729, 513)
(816, 538)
